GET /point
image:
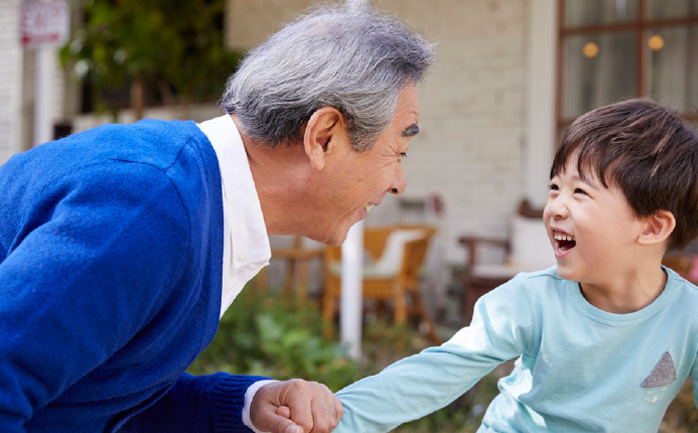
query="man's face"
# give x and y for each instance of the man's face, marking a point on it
(357, 181)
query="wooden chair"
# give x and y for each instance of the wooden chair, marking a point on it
(298, 260)
(526, 248)
(399, 252)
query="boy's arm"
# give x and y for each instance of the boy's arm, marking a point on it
(421, 384)
(410, 389)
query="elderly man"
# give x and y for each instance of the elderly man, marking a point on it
(122, 246)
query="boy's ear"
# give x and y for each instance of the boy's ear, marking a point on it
(325, 128)
(658, 228)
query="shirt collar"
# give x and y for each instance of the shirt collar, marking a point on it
(241, 208)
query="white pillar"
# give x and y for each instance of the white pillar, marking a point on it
(44, 26)
(43, 102)
(352, 284)
(540, 100)
(352, 287)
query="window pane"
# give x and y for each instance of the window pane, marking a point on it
(580, 13)
(661, 9)
(673, 64)
(599, 69)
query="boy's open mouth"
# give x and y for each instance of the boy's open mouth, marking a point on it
(564, 242)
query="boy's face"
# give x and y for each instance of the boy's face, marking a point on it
(593, 229)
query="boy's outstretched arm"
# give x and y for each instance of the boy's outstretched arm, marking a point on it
(421, 384)
(409, 389)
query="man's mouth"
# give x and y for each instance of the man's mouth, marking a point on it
(368, 207)
(564, 242)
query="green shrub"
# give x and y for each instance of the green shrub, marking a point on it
(263, 333)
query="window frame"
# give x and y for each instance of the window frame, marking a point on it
(641, 26)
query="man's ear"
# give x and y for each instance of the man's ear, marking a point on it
(325, 127)
(658, 228)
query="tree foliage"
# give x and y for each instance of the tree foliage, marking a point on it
(175, 46)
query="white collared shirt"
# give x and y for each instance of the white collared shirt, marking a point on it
(246, 248)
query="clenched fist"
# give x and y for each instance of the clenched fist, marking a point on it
(295, 406)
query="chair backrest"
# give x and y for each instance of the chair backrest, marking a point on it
(413, 261)
(390, 248)
(391, 259)
(530, 248)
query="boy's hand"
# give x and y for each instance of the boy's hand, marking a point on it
(295, 406)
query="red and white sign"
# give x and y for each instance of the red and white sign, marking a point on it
(43, 22)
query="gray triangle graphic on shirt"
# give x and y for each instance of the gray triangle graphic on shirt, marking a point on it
(663, 373)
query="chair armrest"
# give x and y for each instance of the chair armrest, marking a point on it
(471, 243)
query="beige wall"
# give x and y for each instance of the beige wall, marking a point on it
(249, 22)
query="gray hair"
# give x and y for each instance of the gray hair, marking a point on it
(351, 57)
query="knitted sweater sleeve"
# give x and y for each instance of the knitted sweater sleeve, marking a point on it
(197, 404)
(81, 279)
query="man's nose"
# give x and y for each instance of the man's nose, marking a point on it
(399, 184)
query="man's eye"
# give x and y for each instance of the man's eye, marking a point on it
(403, 155)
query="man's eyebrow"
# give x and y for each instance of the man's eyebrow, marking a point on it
(411, 131)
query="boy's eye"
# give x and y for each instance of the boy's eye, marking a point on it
(580, 191)
(553, 187)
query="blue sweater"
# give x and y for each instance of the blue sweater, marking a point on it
(111, 245)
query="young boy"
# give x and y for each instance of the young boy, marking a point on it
(604, 340)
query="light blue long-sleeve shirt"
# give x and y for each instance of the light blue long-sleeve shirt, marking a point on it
(579, 369)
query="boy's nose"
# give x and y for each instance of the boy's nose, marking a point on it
(557, 208)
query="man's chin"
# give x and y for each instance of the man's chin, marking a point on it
(333, 243)
(334, 239)
(340, 231)
(337, 238)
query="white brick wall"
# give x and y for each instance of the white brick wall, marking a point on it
(471, 113)
(10, 79)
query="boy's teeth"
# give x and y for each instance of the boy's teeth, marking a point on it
(563, 238)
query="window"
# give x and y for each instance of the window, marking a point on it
(610, 50)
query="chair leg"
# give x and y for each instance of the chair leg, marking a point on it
(472, 294)
(327, 315)
(424, 316)
(302, 290)
(400, 314)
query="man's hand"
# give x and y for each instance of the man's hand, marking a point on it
(295, 406)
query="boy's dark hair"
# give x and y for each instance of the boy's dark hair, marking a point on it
(646, 150)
